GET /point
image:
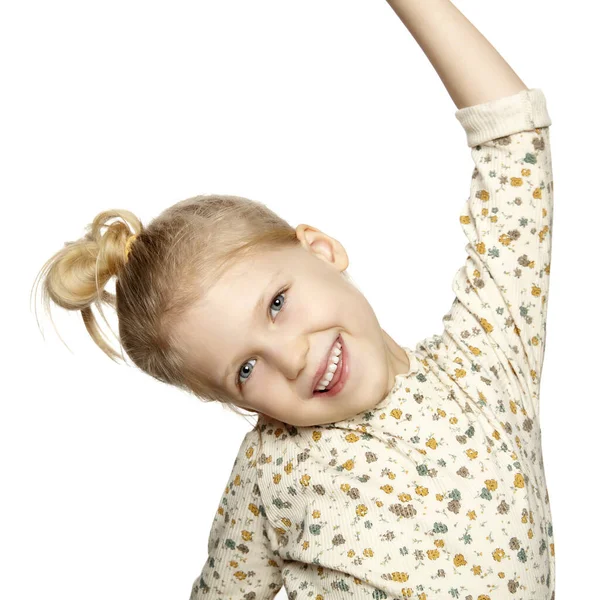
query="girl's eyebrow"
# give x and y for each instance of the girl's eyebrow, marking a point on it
(258, 308)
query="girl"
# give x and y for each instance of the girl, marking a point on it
(374, 470)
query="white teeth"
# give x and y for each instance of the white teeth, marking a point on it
(334, 359)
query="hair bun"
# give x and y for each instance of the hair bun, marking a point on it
(128, 243)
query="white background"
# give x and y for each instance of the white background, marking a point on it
(329, 112)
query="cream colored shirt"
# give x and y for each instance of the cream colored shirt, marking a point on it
(437, 493)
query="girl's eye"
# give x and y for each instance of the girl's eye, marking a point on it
(241, 380)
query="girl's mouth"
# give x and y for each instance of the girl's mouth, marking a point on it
(341, 374)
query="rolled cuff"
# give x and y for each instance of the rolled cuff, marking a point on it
(522, 111)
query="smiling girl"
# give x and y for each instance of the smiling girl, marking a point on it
(374, 470)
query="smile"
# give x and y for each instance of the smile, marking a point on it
(340, 375)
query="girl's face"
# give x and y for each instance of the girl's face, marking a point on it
(267, 357)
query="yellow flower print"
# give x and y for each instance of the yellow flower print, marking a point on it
(439, 497)
(351, 438)
(484, 212)
(439, 543)
(535, 340)
(495, 434)
(516, 181)
(396, 413)
(316, 514)
(348, 465)
(351, 553)
(379, 503)
(422, 491)
(519, 480)
(476, 569)
(305, 480)
(250, 452)
(535, 290)
(543, 232)
(486, 326)
(513, 407)
(465, 219)
(483, 195)
(237, 480)
(460, 373)
(498, 554)
(501, 575)
(253, 509)
(247, 536)
(504, 239)
(305, 545)
(400, 576)
(388, 489)
(476, 351)
(278, 432)
(472, 453)
(286, 521)
(240, 575)
(345, 487)
(368, 552)
(453, 421)
(459, 560)
(526, 172)
(441, 412)
(491, 484)
(494, 219)
(316, 435)
(276, 478)
(288, 468)
(482, 397)
(404, 497)
(537, 193)
(361, 510)
(472, 515)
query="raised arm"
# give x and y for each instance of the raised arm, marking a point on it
(469, 66)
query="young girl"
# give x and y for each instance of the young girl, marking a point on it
(374, 470)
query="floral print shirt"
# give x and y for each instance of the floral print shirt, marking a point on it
(438, 492)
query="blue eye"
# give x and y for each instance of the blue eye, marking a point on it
(241, 380)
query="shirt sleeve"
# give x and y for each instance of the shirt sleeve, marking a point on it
(242, 561)
(502, 288)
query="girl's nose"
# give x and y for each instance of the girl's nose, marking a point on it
(289, 354)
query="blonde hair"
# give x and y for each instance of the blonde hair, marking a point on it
(160, 273)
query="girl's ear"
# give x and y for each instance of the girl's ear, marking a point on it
(322, 246)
